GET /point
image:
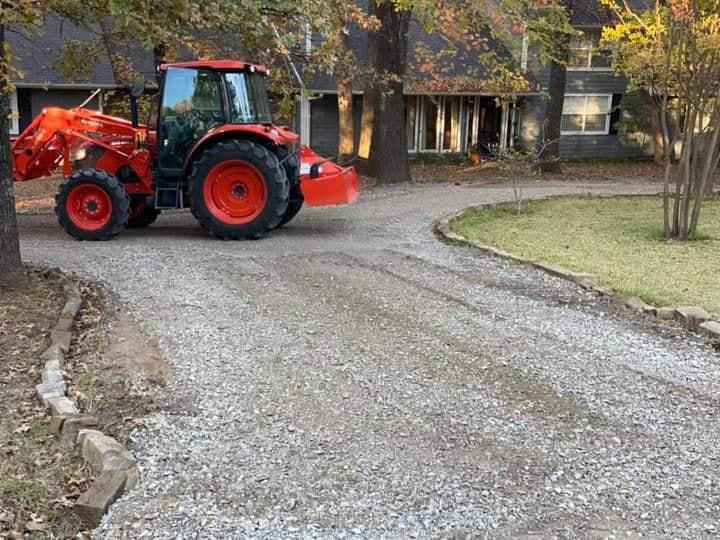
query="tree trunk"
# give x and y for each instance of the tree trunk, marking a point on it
(12, 273)
(388, 153)
(667, 157)
(160, 54)
(346, 124)
(655, 125)
(549, 160)
(369, 99)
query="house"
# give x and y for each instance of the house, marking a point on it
(438, 120)
(449, 122)
(593, 94)
(454, 122)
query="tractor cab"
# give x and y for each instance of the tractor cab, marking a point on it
(197, 97)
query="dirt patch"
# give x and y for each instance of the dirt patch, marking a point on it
(39, 480)
(115, 372)
(589, 171)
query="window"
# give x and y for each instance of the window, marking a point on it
(14, 114)
(248, 98)
(586, 115)
(191, 106)
(586, 54)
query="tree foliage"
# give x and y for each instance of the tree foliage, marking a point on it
(672, 51)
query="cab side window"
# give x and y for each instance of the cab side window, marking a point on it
(191, 106)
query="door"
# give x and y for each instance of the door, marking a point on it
(191, 105)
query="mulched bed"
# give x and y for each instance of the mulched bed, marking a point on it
(39, 481)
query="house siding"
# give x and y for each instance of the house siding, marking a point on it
(31, 101)
(324, 123)
(532, 116)
(595, 82)
(60, 98)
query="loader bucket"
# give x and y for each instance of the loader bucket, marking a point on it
(333, 186)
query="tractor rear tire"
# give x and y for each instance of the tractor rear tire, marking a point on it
(141, 214)
(92, 205)
(238, 189)
(291, 162)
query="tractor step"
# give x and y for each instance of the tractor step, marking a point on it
(168, 196)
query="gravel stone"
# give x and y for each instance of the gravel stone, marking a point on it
(352, 377)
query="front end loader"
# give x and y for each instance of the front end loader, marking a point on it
(213, 149)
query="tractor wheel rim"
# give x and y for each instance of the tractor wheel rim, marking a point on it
(235, 192)
(89, 207)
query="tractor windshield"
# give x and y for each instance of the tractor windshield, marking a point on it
(248, 98)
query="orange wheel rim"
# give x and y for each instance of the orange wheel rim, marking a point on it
(89, 207)
(235, 192)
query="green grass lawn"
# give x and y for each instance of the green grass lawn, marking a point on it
(617, 239)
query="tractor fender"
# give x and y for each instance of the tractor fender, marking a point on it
(265, 135)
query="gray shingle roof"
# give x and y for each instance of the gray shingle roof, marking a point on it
(38, 54)
(464, 63)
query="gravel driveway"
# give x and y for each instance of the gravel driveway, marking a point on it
(352, 377)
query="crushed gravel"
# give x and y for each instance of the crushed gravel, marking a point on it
(352, 377)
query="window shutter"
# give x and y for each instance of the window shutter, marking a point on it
(615, 113)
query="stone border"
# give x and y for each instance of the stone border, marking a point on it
(114, 465)
(695, 319)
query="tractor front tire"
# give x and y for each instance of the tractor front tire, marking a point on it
(141, 214)
(92, 205)
(238, 189)
(291, 162)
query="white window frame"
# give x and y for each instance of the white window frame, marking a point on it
(589, 67)
(606, 131)
(14, 114)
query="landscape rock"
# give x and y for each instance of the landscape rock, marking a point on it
(692, 316)
(62, 339)
(92, 505)
(665, 313)
(51, 373)
(711, 329)
(121, 461)
(72, 304)
(72, 426)
(96, 445)
(61, 409)
(65, 322)
(636, 304)
(62, 406)
(49, 391)
(53, 353)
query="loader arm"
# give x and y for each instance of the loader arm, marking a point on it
(52, 135)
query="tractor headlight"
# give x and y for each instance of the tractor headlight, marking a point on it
(79, 154)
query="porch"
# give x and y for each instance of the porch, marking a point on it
(435, 124)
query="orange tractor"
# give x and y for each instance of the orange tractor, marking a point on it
(214, 150)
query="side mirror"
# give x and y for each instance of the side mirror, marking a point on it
(137, 87)
(315, 169)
